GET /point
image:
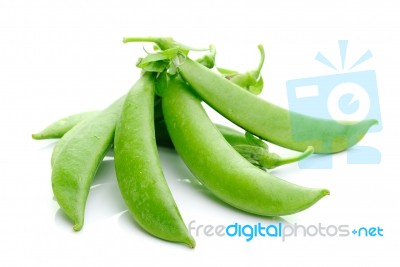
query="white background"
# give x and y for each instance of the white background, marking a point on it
(63, 57)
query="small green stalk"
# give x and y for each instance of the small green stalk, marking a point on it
(263, 159)
(159, 62)
(252, 80)
(171, 55)
(208, 60)
(299, 157)
(164, 43)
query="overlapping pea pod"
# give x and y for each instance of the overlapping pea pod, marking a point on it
(86, 138)
(73, 171)
(219, 167)
(137, 165)
(78, 154)
(250, 147)
(260, 195)
(260, 117)
(76, 157)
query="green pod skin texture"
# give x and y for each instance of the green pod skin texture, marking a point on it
(140, 177)
(58, 128)
(220, 168)
(235, 137)
(76, 158)
(268, 121)
(254, 151)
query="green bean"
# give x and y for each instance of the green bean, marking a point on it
(76, 158)
(140, 177)
(220, 168)
(60, 127)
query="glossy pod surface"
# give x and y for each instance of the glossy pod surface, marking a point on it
(220, 168)
(76, 158)
(140, 177)
(268, 121)
(60, 127)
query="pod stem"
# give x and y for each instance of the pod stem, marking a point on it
(141, 39)
(299, 157)
(208, 60)
(262, 59)
(263, 159)
(163, 43)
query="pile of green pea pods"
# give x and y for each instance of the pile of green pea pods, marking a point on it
(164, 108)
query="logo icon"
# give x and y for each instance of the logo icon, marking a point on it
(345, 96)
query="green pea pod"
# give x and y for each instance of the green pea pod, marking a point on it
(249, 146)
(76, 158)
(220, 168)
(264, 119)
(137, 165)
(60, 127)
(268, 121)
(235, 137)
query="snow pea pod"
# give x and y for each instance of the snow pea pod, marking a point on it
(60, 127)
(268, 121)
(220, 168)
(76, 158)
(247, 145)
(250, 147)
(137, 165)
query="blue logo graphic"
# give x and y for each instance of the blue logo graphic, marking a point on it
(346, 96)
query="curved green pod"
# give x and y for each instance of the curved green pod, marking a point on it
(250, 147)
(76, 157)
(220, 168)
(58, 128)
(268, 121)
(137, 165)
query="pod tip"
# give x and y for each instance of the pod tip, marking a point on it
(325, 192)
(373, 122)
(78, 226)
(190, 242)
(310, 149)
